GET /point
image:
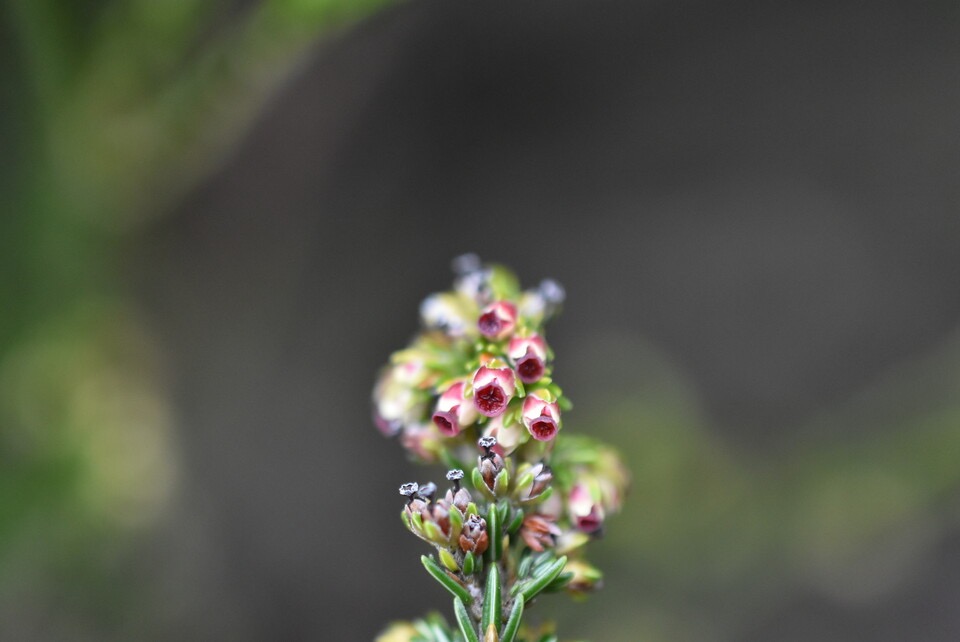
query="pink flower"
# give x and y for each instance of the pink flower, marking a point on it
(586, 514)
(542, 418)
(529, 356)
(453, 412)
(497, 320)
(509, 438)
(492, 390)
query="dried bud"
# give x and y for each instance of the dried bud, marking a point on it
(539, 532)
(490, 463)
(542, 418)
(497, 320)
(529, 357)
(473, 537)
(542, 476)
(492, 390)
(427, 492)
(453, 412)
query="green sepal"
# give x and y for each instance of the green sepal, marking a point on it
(479, 484)
(469, 562)
(471, 510)
(493, 532)
(541, 579)
(463, 619)
(526, 479)
(491, 600)
(456, 523)
(417, 520)
(446, 557)
(434, 533)
(513, 622)
(501, 483)
(447, 582)
(516, 522)
(521, 392)
(565, 404)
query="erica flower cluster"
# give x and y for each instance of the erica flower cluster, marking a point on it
(481, 367)
(475, 392)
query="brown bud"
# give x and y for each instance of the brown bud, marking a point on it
(473, 537)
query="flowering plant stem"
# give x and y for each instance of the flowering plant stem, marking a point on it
(475, 391)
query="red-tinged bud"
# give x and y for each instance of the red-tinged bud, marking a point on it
(453, 412)
(492, 390)
(497, 320)
(529, 356)
(539, 532)
(541, 417)
(473, 537)
(586, 514)
(542, 476)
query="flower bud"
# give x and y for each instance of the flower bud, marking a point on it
(453, 412)
(586, 577)
(529, 357)
(458, 496)
(490, 463)
(542, 476)
(497, 320)
(396, 400)
(539, 532)
(541, 417)
(585, 513)
(473, 537)
(492, 390)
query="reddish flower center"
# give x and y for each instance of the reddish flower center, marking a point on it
(490, 399)
(447, 422)
(530, 368)
(490, 324)
(543, 428)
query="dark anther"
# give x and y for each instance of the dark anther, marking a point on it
(455, 476)
(409, 490)
(427, 491)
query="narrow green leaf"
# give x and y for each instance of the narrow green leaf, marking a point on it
(503, 510)
(449, 583)
(525, 565)
(516, 522)
(513, 622)
(531, 588)
(491, 600)
(494, 533)
(559, 583)
(463, 619)
(468, 563)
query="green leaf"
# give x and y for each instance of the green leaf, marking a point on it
(516, 522)
(525, 565)
(468, 563)
(542, 579)
(494, 533)
(463, 619)
(503, 510)
(491, 600)
(513, 622)
(447, 582)
(559, 583)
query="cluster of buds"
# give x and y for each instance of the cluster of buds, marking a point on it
(475, 391)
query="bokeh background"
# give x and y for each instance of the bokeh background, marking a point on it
(219, 217)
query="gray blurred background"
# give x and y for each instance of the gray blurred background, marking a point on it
(216, 235)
